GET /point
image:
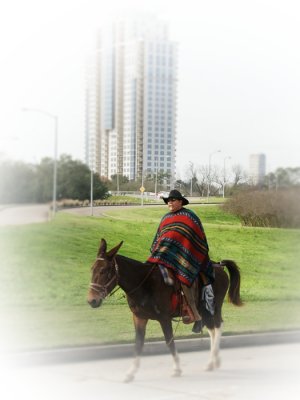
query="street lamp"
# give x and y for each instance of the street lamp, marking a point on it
(142, 189)
(224, 181)
(192, 167)
(117, 169)
(92, 191)
(55, 119)
(93, 168)
(156, 176)
(209, 164)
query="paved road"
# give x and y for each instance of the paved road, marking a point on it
(100, 210)
(24, 214)
(250, 373)
(36, 213)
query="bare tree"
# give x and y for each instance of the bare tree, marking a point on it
(202, 178)
(216, 180)
(239, 174)
(191, 173)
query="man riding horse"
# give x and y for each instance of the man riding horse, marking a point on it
(180, 245)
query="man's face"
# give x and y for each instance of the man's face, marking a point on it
(174, 204)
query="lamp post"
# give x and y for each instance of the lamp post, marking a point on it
(117, 169)
(224, 181)
(192, 165)
(92, 191)
(156, 174)
(55, 119)
(208, 180)
(93, 168)
(142, 189)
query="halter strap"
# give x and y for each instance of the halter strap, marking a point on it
(103, 289)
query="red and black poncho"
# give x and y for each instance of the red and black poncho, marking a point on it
(180, 244)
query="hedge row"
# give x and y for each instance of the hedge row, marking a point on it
(266, 208)
(69, 203)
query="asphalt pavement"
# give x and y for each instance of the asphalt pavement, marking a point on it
(247, 373)
(117, 351)
(24, 214)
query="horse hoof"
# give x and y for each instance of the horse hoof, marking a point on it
(176, 373)
(209, 367)
(128, 378)
(217, 363)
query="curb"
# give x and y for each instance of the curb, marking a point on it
(93, 353)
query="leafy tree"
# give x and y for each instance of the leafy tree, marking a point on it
(182, 186)
(17, 182)
(113, 182)
(27, 183)
(74, 180)
(283, 178)
(44, 180)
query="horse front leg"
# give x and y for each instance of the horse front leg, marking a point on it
(167, 328)
(215, 338)
(140, 330)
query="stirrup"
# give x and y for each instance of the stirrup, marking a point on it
(198, 326)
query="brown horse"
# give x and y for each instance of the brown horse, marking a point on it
(150, 298)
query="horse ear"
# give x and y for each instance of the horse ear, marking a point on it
(114, 251)
(102, 248)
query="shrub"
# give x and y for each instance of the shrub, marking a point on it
(266, 208)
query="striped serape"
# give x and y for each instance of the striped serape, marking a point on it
(180, 244)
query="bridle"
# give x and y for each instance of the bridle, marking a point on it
(103, 289)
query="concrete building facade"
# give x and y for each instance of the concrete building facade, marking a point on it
(131, 101)
(257, 168)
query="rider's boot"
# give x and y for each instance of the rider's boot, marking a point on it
(189, 293)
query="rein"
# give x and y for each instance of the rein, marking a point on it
(143, 281)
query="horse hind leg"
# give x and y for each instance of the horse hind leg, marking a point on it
(167, 328)
(140, 330)
(215, 338)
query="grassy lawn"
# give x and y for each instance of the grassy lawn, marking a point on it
(45, 272)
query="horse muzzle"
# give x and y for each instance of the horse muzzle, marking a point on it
(94, 303)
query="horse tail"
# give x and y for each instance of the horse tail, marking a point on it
(235, 282)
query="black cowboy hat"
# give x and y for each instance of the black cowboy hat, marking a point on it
(175, 194)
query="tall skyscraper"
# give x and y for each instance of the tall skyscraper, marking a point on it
(257, 168)
(131, 101)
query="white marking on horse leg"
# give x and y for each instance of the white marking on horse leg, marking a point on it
(176, 367)
(210, 365)
(132, 370)
(216, 349)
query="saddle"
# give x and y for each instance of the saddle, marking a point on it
(203, 300)
(202, 290)
(179, 300)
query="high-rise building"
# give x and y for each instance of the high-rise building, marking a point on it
(131, 101)
(257, 168)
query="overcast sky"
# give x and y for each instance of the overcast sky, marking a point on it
(239, 76)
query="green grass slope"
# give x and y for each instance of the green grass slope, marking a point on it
(45, 273)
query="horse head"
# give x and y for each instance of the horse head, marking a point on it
(104, 274)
